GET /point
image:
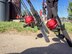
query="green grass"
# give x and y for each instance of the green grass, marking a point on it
(6, 26)
(68, 26)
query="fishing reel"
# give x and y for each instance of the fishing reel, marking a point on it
(29, 20)
(52, 24)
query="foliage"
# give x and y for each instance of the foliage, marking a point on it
(70, 11)
(6, 26)
(68, 26)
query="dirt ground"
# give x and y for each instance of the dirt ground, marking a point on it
(26, 43)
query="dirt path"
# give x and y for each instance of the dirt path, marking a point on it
(25, 43)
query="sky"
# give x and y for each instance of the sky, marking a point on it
(62, 6)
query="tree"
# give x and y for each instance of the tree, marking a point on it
(70, 11)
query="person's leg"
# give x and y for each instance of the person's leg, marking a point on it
(52, 8)
(55, 9)
(49, 13)
(55, 13)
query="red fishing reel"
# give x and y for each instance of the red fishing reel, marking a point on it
(51, 23)
(29, 19)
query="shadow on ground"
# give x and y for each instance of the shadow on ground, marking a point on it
(55, 48)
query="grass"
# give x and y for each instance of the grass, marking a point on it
(68, 26)
(6, 26)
